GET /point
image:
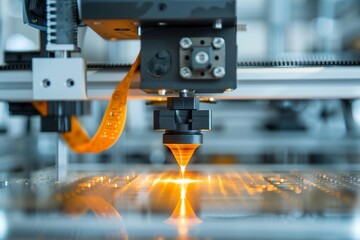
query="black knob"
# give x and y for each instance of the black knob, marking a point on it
(159, 64)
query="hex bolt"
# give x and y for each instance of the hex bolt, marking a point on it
(185, 72)
(185, 43)
(218, 42)
(34, 19)
(46, 83)
(70, 83)
(202, 57)
(184, 93)
(219, 72)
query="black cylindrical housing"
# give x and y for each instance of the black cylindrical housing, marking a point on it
(182, 138)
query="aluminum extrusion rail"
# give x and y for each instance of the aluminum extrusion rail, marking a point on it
(253, 83)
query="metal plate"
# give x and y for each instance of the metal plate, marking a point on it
(155, 40)
(210, 202)
(119, 19)
(217, 58)
(59, 79)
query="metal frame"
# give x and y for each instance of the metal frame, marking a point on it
(66, 79)
(253, 83)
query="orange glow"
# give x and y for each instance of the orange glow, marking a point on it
(183, 153)
(183, 215)
(180, 197)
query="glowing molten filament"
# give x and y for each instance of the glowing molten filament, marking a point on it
(183, 215)
(183, 153)
(183, 192)
(182, 168)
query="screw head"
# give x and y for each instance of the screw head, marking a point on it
(70, 83)
(202, 57)
(185, 72)
(34, 19)
(219, 72)
(46, 83)
(185, 43)
(218, 42)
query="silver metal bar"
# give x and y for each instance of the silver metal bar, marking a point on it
(61, 54)
(253, 83)
(61, 159)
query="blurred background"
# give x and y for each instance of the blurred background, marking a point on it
(253, 132)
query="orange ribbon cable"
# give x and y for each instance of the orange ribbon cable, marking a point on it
(111, 125)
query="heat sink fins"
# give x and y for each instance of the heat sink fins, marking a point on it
(61, 25)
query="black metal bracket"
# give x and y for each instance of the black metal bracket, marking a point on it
(182, 121)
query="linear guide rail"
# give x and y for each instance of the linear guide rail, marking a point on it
(322, 82)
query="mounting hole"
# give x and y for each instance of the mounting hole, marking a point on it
(162, 7)
(46, 83)
(202, 74)
(202, 42)
(187, 57)
(217, 57)
(70, 82)
(121, 29)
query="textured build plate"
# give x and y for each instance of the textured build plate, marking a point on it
(211, 202)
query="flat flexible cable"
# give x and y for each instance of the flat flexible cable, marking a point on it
(111, 126)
